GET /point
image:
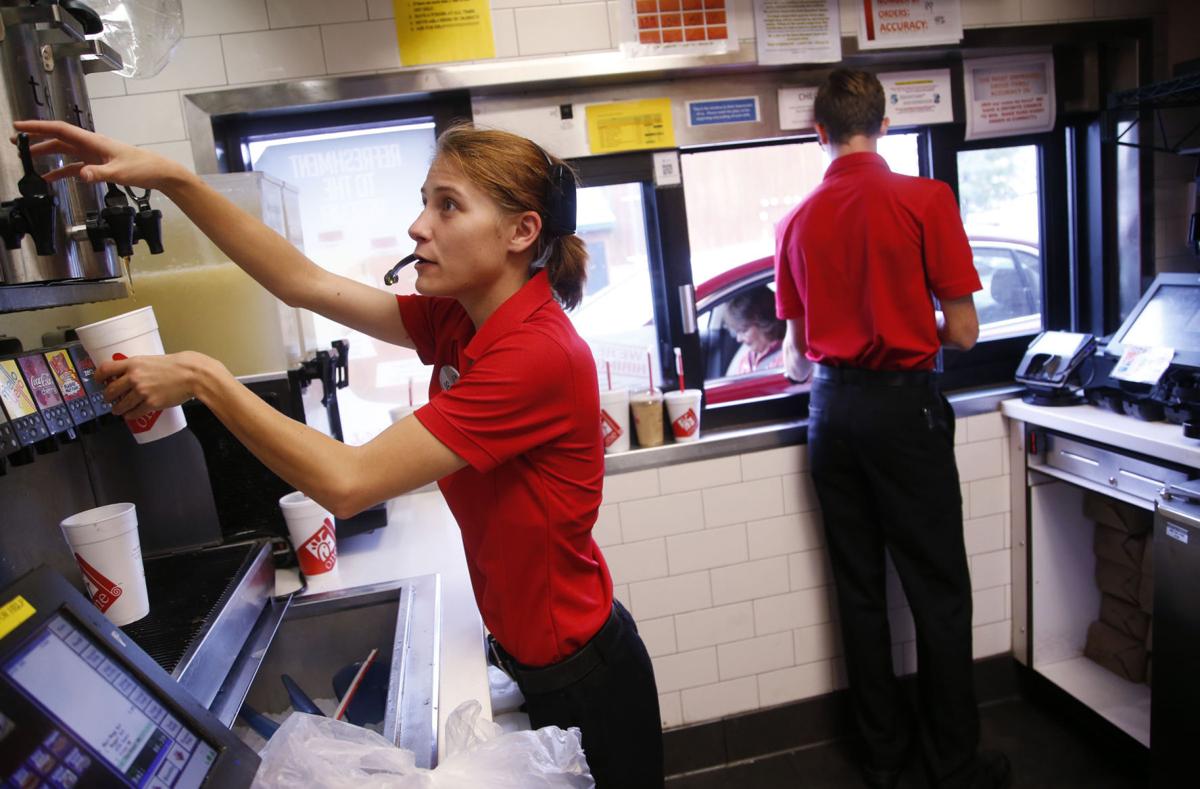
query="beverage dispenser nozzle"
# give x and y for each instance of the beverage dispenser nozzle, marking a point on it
(35, 212)
(148, 221)
(124, 224)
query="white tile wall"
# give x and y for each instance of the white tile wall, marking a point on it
(361, 46)
(296, 13)
(273, 54)
(558, 29)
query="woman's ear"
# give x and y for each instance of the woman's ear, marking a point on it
(525, 231)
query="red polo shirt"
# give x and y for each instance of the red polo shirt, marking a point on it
(858, 259)
(525, 414)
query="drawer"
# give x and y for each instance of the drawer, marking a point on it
(1108, 467)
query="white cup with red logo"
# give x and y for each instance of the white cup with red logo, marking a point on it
(120, 337)
(614, 420)
(683, 411)
(105, 543)
(312, 532)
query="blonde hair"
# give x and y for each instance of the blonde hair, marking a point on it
(515, 172)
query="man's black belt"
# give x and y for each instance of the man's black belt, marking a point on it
(556, 676)
(861, 377)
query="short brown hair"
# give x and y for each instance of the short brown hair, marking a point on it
(850, 103)
(514, 172)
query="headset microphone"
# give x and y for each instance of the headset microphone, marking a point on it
(393, 274)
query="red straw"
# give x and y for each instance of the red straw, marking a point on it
(679, 367)
(410, 392)
(608, 372)
(650, 370)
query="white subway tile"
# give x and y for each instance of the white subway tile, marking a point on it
(755, 655)
(504, 34)
(297, 13)
(745, 501)
(791, 610)
(704, 549)
(607, 529)
(775, 462)
(789, 534)
(1008, 602)
(658, 635)
(103, 84)
(614, 22)
(149, 117)
(637, 561)
(660, 516)
(381, 9)
(817, 642)
(960, 430)
(685, 670)
(741, 18)
(521, 3)
(573, 28)
(209, 17)
(989, 496)
(749, 580)
(700, 475)
(988, 606)
(621, 592)
(797, 682)
(723, 698)
(992, 639)
(981, 427)
(982, 535)
(799, 495)
(670, 709)
(1006, 459)
(196, 63)
(991, 569)
(175, 151)
(631, 485)
(1048, 10)
(273, 54)
(672, 595)
(976, 13)
(714, 626)
(901, 625)
(361, 46)
(808, 569)
(979, 460)
(965, 491)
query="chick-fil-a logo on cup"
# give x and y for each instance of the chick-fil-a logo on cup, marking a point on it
(318, 554)
(685, 424)
(144, 422)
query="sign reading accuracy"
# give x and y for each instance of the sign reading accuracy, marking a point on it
(883, 24)
(1009, 95)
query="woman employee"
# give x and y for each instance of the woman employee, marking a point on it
(511, 431)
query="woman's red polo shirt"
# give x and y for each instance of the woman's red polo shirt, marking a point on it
(524, 414)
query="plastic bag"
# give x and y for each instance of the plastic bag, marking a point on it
(143, 32)
(313, 751)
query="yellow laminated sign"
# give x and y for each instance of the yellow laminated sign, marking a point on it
(13, 613)
(440, 31)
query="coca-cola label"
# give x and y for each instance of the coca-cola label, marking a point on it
(609, 428)
(685, 424)
(102, 591)
(144, 422)
(318, 554)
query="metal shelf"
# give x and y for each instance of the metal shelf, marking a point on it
(1156, 98)
(18, 298)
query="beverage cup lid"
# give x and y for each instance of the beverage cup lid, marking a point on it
(686, 394)
(647, 394)
(297, 503)
(609, 395)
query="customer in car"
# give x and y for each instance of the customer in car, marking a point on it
(750, 316)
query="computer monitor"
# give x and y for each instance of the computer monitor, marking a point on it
(1168, 314)
(81, 705)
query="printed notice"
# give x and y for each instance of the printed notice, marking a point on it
(798, 31)
(630, 126)
(918, 98)
(1143, 365)
(669, 27)
(796, 107)
(1009, 95)
(714, 112)
(883, 24)
(437, 31)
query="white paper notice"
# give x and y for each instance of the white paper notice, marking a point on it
(1143, 365)
(1009, 95)
(918, 98)
(796, 107)
(798, 31)
(883, 24)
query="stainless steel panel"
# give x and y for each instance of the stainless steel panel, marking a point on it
(1108, 468)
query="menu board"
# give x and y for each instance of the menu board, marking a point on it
(13, 392)
(64, 373)
(41, 381)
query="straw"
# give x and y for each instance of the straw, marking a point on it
(354, 683)
(410, 402)
(650, 370)
(608, 372)
(679, 366)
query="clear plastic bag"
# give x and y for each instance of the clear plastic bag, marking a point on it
(313, 751)
(143, 32)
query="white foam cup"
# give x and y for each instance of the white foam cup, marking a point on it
(120, 337)
(399, 412)
(614, 420)
(105, 543)
(683, 411)
(312, 532)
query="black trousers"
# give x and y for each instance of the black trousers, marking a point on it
(882, 456)
(607, 689)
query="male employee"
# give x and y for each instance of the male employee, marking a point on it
(857, 266)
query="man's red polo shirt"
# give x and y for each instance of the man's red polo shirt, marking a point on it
(857, 260)
(525, 414)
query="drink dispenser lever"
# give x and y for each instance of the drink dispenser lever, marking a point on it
(148, 222)
(35, 212)
(115, 221)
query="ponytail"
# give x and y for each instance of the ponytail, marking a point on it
(567, 270)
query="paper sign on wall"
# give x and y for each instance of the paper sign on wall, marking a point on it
(796, 107)
(438, 31)
(918, 98)
(630, 126)
(1009, 95)
(672, 27)
(798, 31)
(883, 24)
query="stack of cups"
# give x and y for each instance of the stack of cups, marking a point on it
(311, 530)
(132, 334)
(106, 548)
(648, 417)
(683, 410)
(614, 420)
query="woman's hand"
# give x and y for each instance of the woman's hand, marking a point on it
(142, 384)
(98, 158)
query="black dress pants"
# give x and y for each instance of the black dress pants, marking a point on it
(613, 700)
(882, 456)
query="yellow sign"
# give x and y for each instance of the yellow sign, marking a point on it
(437, 31)
(13, 613)
(630, 126)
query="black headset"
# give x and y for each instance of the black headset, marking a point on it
(560, 199)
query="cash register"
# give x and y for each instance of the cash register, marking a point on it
(82, 706)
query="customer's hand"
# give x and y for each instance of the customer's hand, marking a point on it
(98, 158)
(141, 384)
